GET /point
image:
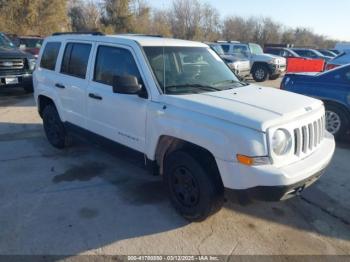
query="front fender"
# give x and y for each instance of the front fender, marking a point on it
(221, 138)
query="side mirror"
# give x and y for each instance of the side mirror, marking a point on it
(128, 85)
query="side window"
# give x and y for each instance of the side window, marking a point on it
(312, 54)
(49, 57)
(226, 48)
(273, 51)
(76, 59)
(113, 61)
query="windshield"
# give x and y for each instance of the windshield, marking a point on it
(256, 49)
(184, 70)
(5, 42)
(31, 42)
(317, 53)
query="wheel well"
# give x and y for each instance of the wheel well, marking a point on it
(168, 144)
(44, 101)
(258, 64)
(342, 107)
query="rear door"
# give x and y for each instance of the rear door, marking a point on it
(73, 80)
(119, 117)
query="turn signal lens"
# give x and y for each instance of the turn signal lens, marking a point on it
(245, 160)
(253, 161)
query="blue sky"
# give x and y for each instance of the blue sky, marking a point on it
(330, 18)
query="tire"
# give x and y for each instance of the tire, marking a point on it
(274, 77)
(29, 89)
(337, 122)
(194, 189)
(260, 73)
(54, 128)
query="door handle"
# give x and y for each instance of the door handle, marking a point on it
(95, 96)
(59, 85)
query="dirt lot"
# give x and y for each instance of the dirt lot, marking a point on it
(98, 199)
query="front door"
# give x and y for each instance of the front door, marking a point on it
(119, 117)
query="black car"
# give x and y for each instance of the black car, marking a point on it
(327, 52)
(281, 51)
(311, 53)
(16, 67)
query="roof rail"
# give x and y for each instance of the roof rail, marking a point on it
(230, 41)
(78, 33)
(150, 35)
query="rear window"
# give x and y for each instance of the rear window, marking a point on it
(49, 57)
(273, 51)
(75, 59)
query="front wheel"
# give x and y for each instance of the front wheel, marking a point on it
(194, 190)
(337, 122)
(260, 73)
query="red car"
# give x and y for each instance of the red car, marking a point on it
(31, 44)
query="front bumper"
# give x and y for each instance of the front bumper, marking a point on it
(277, 193)
(271, 183)
(277, 69)
(242, 72)
(24, 80)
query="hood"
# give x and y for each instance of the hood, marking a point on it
(12, 53)
(268, 57)
(234, 58)
(307, 74)
(251, 106)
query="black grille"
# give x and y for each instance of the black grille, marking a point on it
(7, 64)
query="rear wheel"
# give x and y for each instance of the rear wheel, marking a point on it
(260, 73)
(337, 122)
(193, 188)
(54, 128)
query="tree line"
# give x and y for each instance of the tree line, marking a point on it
(185, 19)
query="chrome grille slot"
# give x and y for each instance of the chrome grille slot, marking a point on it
(297, 142)
(308, 136)
(319, 128)
(9, 64)
(305, 138)
(311, 136)
(315, 130)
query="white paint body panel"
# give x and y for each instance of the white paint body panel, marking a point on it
(226, 123)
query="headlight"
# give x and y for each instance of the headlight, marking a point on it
(274, 61)
(281, 142)
(32, 63)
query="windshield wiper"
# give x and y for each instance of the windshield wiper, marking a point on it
(199, 86)
(232, 82)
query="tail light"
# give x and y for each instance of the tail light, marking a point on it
(331, 66)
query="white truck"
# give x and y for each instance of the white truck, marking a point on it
(263, 66)
(181, 106)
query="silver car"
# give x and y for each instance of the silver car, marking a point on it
(238, 64)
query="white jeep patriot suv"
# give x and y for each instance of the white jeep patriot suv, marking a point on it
(180, 105)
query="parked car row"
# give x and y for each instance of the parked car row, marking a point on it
(239, 64)
(263, 66)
